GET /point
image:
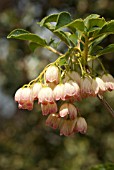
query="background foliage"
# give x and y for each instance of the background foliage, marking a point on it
(25, 142)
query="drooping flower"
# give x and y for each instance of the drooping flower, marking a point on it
(52, 74)
(58, 92)
(101, 85)
(95, 88)
(48, 108)
(71, 89)
(24, 97)
(109, 81)
(35, 90)
(45, 95)
(18, 95)
(86, 87)
(81, 125)
(67, 127)
(68, 109)
(53, 121)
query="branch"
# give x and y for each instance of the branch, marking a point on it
(105, 103)
(53, 50)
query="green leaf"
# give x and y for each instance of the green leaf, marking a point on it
(76, 24)
(63, 19)
(48, 19)
(25, 35)
(95, 49)
(98, 40)
(92, 16)
(63, 36)
(96, 22)
(108, 49)
(33, 46)
(108, 28)
(73, 38)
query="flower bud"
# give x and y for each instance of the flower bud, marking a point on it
(52, 74)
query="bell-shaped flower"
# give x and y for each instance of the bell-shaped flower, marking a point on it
(81, 125)
(86, 87)
(95, 88)
(109, 81)
(18, 95)
(45, 95)
(35, 90)
(64, 110)
(71, 89)
(101, 85)
(67, 127)
(53, 121)
(58, 92)
(24, 97)
(49, 108)
(68, 109)
(52, 74)
(26, 106)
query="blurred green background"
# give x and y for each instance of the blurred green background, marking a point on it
(25, 142)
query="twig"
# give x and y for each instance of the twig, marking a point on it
(106, 104)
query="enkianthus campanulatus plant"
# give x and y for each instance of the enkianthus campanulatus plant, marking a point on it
(72, 77)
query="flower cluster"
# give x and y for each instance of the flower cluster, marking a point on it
(57, 95)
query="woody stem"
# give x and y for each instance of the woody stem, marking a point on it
(106, 104)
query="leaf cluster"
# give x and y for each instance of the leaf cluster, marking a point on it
(72, 33)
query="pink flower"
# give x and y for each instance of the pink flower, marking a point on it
(67, 127)
(95, 87)
(68, 109)
(53, 120)
(81, 125)
(101, 85)
(58, 92)
(64, 110)
(25, 106)
(86, 87)
(109, 81)
(24, 97)
(45, 95)
(52, 74)
(35, 90)
(71, 89)
(49, 108)
(18, 94)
